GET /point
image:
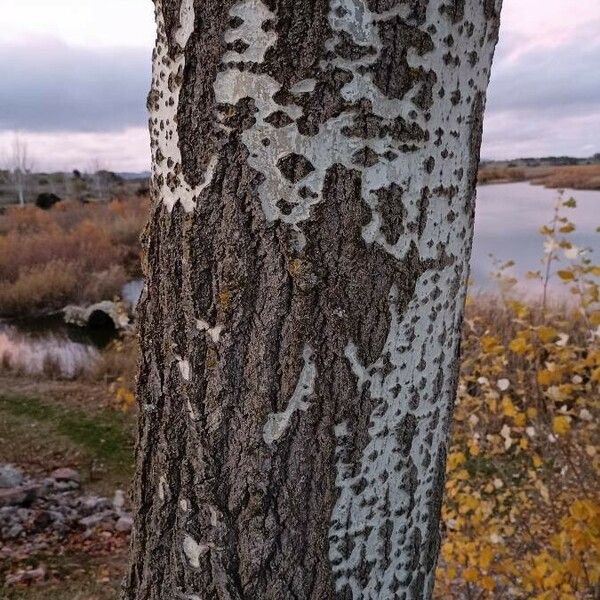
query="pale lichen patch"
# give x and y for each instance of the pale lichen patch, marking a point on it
(213, 332)
(167, 171)
(253, 14)
(193, 550)
(184, 369)
(277, 423)
(162, 487)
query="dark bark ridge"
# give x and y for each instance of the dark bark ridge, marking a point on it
(306, 260)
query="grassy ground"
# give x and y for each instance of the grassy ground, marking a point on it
(48, 424)
(79, 577)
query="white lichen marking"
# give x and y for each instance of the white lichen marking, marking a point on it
(213, 332)
(184, 369)
(193, 550)
(330, 145)
(167, 174)
(186, 20)
(214, 516)
(253, 13)
(277, 423)
(162, 487)
(363, 504)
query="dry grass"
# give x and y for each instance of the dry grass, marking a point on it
(500, 175)
(578, 177)
(118, 363)
(72, 253)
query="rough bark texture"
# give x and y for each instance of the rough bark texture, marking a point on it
(306, 261)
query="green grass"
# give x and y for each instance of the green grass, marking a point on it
(42, 432)
(105, 436)
(99, 441)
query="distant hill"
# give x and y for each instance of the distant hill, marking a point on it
(141, 176)
(544, 161)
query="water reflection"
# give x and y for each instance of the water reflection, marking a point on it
(52, 354)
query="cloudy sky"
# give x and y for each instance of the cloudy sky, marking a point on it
(75, 74)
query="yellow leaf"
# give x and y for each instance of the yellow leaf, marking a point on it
(545, 377)
(560, 425)
(568, 228)
(519, 419)
(566, 275)
(473, 448)
(488, 343)
(519, 345)
(455, 459)
(546, 334)
(487, 583)
(508, 408)
(462, 475)
(537, 461)
(485, 557)
(470, 574)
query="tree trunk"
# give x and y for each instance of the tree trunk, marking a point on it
(314, 168)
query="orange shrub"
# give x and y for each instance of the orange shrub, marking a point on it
(98, 242)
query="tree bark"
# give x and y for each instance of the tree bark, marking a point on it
(314, 169)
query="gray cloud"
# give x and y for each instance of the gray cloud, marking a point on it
(558, 80)
(545, 100)
(540, 101)
(50, 86)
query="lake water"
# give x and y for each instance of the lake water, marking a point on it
(48, 346)
(507, 221)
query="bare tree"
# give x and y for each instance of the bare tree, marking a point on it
(99, 183)
(314, 170)
(21, 167)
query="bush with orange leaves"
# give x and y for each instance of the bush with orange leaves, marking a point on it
(521, 517)
(72, 253)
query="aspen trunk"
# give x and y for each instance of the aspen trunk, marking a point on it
(314, 168)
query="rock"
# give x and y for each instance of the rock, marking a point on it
(26, 576)
(14, 532)
(20, 496)
(91, 504)
(66, 474)
(124, 524)
(66, 486)
(101, 315)
(10, 476)
(119, 500)
(105, 519)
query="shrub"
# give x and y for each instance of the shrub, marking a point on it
(100, 242)
(42, 287)
(521, 516)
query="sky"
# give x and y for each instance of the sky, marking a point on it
(75, 75)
